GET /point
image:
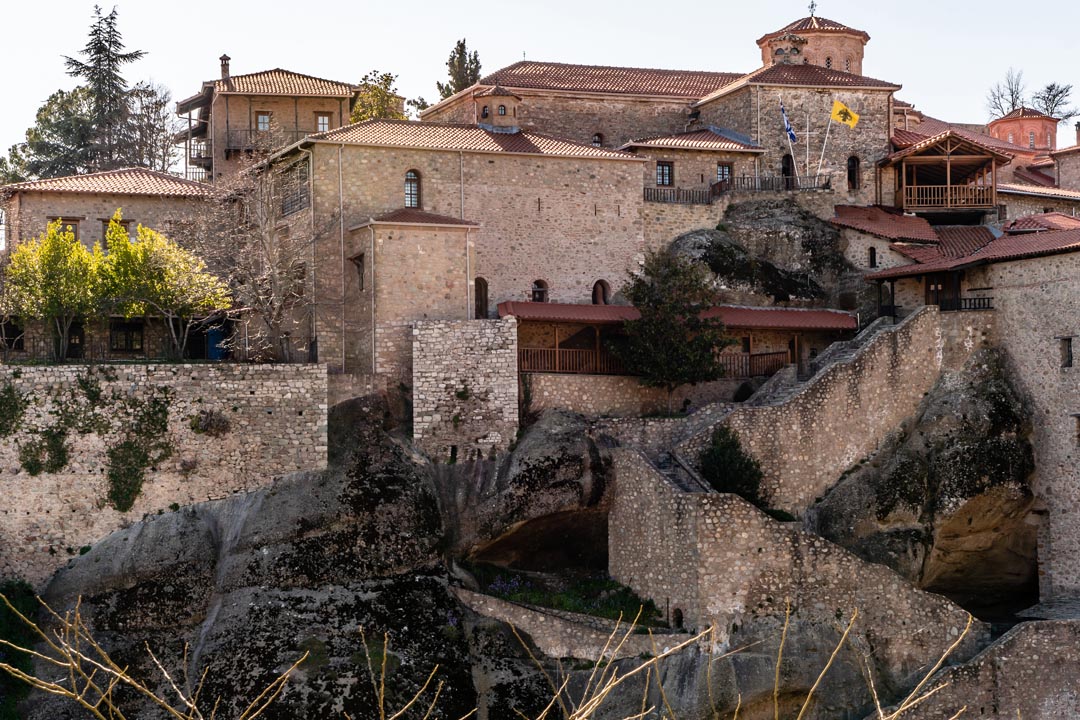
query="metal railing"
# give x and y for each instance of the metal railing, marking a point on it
(748, 365)
(197, 174)
(201, 151)
(740, 184)
(968, 303)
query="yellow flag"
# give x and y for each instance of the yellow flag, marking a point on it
(841, 113)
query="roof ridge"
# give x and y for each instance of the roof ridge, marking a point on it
(610, 67)
(114, 171)
(283, 70)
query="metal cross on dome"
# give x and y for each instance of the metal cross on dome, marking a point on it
(813, 7)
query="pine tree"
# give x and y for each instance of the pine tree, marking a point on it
(110, 109)
(464, 70)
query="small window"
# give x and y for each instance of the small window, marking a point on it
(597, 139)
(262, 121)
(322, 121)
(871, 259)
(11, 334)
(847, 64)
(1066, 352)
(854, 174)
(502, 110)
(126, 335)
(601, 293)
(828, 62)
(1031, 139)
(665, 173)
(779, 51)
(480, 299)
(484, 112)
(723, 172)
(746, 344)
(1010, 137)
(412, 189)
(539, 291)
(358, 263)
(68, 224)
(295, 188)
(126, 224)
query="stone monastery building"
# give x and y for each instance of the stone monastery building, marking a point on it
(479, 253)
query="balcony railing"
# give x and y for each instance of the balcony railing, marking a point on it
(968, 303)
(197, 174)
(747, 365)
(201, 151)
(742, 184)
(602, 362)
(249, 139)
(948, 196)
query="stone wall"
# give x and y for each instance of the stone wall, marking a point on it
(720, 560)
(1068, 170)
(695, 169)
(1017, 205)
(464, 387)
(963, 333)
(276, 423)
(619, 395)
(806, 441)
(1036, 305)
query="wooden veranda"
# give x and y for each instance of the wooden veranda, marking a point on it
(946, 173)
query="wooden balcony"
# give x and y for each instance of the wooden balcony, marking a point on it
(740, 184)
(948, 197)
(602, 362)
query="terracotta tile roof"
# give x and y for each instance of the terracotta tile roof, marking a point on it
(412, 216)
(1028, 176)
(604, 79)
(1043, 162)
(1042, 222)
(1024, 112)
(1003, 249)
(782, 75)
(971, 131)
(940, 137)
(705, 139)
(919, 253)
(497, 91)
(962, 240)
(126, 181)
(813, 24)
(882, 223)
(766, 318)
(1050, 192)
(283, 82)
(1065, 151)
(449, 136)
(906, 138)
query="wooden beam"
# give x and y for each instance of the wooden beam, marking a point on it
(932, 159)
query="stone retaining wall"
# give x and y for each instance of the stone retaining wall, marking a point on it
(619, 395)
(464, 386)
(276, 423)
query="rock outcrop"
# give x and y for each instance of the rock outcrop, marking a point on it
(947, 502)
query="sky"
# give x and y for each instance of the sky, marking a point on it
(946, 54)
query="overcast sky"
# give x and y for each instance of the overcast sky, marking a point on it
(945, 54)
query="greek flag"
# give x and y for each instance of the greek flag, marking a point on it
(787, 125)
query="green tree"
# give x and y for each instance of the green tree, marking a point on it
(378, 98)
(151, 275)
(54, 278)
(109, 101)
(13, 167)
(61, 140)
(674, 342)
(729, 469)
(463, 68)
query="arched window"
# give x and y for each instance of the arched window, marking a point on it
(484, 112)
(601, 293)
(480, 299)
(412, 189)
(1010, 137)
(847, 64)
(597, 139)
(872, 257)
(853, 174)
(828, 62)
(539, 291)
(787, 170)
(779, 51)
(502, 110)
(1031, 139)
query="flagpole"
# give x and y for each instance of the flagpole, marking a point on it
(807, 142)
(823, 145)
(791, 148)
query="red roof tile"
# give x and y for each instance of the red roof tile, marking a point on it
(1065, 151)
(906, 138)
(497, 91)
(1028, 176)
(1024, 112)
(126, 181)
(706, 139)
(412, 216)
(1042, 222)
(882, 223)
(971, 138)
(448, 136)
(282, 82)
(604, 79)
(813, 24)
(782, 75)
(972, 131)
(733, 316)
(1050, 192)
(961, 240)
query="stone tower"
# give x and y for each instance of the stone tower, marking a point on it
(816, 41)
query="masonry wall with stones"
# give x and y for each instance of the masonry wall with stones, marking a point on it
(841, 51)
(718, 559)
(569, 222)
(276, 423)
(1037, 310)
(579, 115)
(1067, 169)
(695, 169)
(804, 442)
(1017, 205)
(619, 395)
(464, 386)
(754, 111)
(856, 248)
(28, 214)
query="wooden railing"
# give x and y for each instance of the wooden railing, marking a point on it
(747, 365)
(679, 196)
(741, 184)
(562, 360)
(968, 303)
(948, 196)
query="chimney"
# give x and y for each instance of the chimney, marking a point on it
(1078, 133)
(225, 66)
